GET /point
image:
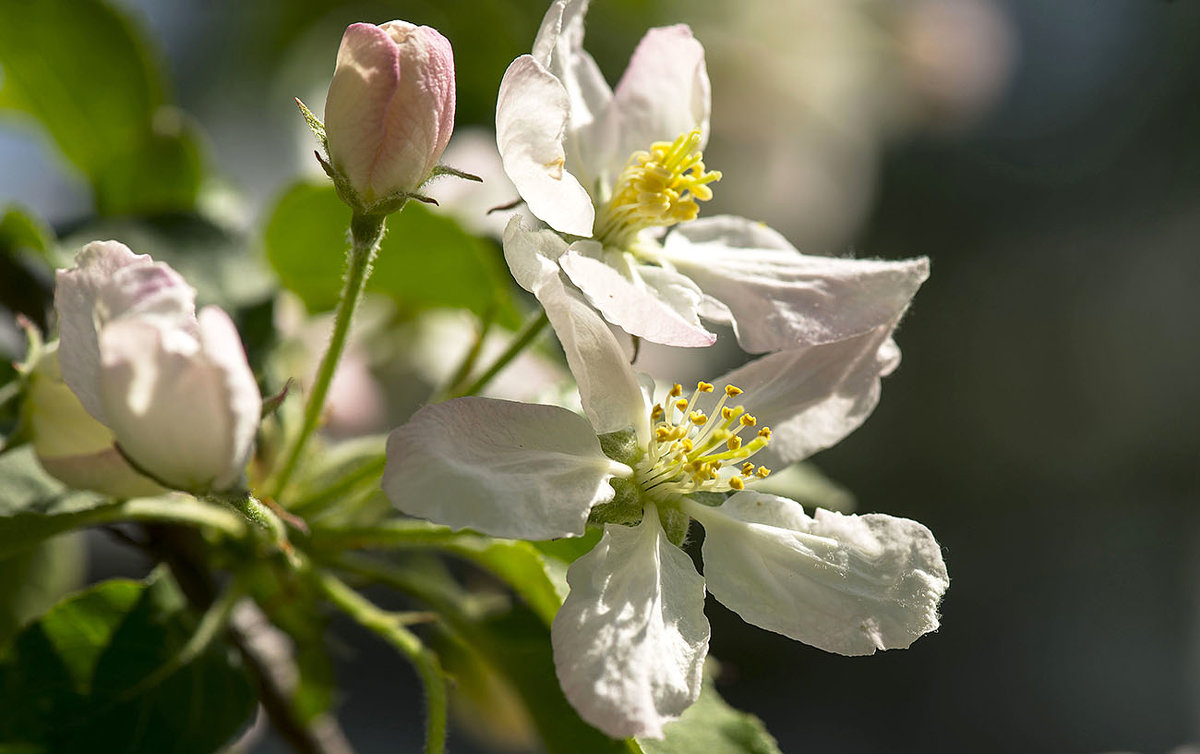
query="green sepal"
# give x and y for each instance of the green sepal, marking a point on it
(440, 170)
(675, 523)
(318, 128)
(622, 446)
(625, 507)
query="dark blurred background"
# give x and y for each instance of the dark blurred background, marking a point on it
(1045, 423)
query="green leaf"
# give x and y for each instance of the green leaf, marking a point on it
(67, 682)
(713, 727)
(35, 506)
(521, 565)
(425, 261)
(84, 72)
(20, 230)
(517, 645)
(33, 580)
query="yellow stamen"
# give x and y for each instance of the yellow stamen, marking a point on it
(657, 189)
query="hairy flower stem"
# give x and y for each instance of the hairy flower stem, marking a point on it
(388, 627)
(527, 335)
(366, 231)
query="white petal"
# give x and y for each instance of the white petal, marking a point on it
(778, 298)
(664, 92)
(531, 253)
(813, 397)
(241, 402)
(630, 640)
(161, 401)
(661, 306)
(608, 386)
(108, 281)
(502, 468)
(532, 110)
(559, 48)
(845, 584)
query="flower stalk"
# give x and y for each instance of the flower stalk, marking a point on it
(388, 626)
(529, 332)
(366, 232)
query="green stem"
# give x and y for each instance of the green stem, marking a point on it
(527, 335)
(387, 626)
(166, 511)
(366, 231)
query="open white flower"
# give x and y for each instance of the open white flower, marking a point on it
(612, 170)
(173, 387)
(631, 637)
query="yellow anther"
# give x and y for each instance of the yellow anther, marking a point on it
(734, 442)
(698, 418)
(747, 468)
(657, 412)
(681, 404)
(736, 483)
(747, 420)
(727, 413)
(687, 445)
(662, 434)
(732, 391)
(765, 433)
(704, 387)
(676, 390)
(657, 188)
(763, 472)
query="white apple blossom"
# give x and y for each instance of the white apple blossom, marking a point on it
(173, 387)
(631, 637)
(612, 170)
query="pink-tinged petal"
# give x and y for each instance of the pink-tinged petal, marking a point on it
(813, 397)
(180, 400)
(608, 387)
(778, 298)
(507, 469)
(240, 401)
(631, 637)
(389, 112)
(107, 282)
(661, 307)
(846, 584)
(532, 110)
(664, 92)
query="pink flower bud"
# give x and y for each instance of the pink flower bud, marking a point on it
(390, 108)
(174, 389)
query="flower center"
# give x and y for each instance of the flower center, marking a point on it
(655, 190)
(691, 451)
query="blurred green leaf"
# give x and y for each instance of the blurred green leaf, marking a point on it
(33, 580)
(517, 644)
(20, 230)
(67, 682)
(713, 727)
(84, 72)
(425, 261)
(35, 506)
